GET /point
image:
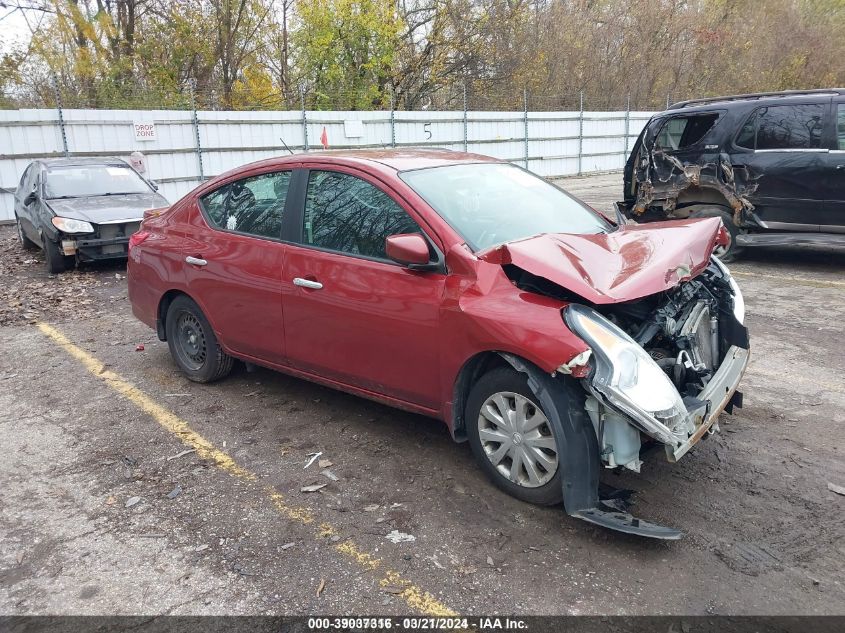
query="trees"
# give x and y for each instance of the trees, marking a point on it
(363, 54)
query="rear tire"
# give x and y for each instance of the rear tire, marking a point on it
(732, 251)
(26, 243)
(193, 344)
(57, 261)
(528, 440)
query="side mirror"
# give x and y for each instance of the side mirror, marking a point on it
(30, 198)
(408, 249)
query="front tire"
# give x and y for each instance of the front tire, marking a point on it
(732, 251)
(57, 261)
(512, 439)
(193, 344)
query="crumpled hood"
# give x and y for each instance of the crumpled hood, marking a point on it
(632, 262)
(98, 209)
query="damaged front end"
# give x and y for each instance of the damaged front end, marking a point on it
(667, 346)
(664, 366)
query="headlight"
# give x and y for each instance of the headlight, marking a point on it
(68, 225)
(630, 378)
(739, 301)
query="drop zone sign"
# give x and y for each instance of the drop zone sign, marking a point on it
(144, 131)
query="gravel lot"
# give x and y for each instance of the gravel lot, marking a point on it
(104, 512)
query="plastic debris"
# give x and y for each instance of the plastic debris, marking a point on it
(131, 501)
(371, 508)
(840, 490)
(313, 457)
(175, 492)
(182, 454)
(400, 537)
(329, 474)
(313, 487)
(139, 347)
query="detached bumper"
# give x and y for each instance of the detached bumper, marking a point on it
(718, 393)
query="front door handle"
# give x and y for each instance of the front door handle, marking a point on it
(196, 261)
(307, 283)
(840, 166)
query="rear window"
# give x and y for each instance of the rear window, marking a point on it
(681, 132)
(783, 127)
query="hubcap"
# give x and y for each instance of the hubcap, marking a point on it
(191, 340)
(517, 439)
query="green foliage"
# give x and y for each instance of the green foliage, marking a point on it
(365, 54)
(345, 51)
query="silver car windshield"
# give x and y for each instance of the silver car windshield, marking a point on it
(92, 180)
(495, 203)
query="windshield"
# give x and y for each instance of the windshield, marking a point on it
(494, 203)
(92, 180)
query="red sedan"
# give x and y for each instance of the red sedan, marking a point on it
(556, 340)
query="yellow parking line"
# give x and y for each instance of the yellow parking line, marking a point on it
(818, 283)
(413, 596)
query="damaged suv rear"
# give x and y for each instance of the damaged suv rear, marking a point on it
(767, 164)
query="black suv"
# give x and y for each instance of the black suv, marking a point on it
(771, 165)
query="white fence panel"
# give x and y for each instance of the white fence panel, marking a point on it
(548, 143)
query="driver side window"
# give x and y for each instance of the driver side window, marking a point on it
(346, 214)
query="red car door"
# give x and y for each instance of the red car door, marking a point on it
(234, 263)
(352, 315)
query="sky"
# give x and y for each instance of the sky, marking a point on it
(13, 27)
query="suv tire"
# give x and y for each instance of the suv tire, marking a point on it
(732, 251)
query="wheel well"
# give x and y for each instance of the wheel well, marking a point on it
(472, 370)
(161, 314)
(696, 198)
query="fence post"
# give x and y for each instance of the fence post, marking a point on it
(465, 118)
(627, 124)
(392, 120)
(580, 130)
(304, 118)
(61, 116)
(196, 123)
(525, 123)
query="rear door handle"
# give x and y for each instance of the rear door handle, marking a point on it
(307, 283)
(196, 261)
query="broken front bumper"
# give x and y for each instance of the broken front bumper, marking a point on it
(109, 241)
(718, 393)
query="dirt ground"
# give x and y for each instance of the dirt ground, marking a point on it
(103, 511)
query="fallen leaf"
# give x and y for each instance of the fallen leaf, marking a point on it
(371, 508)
(321, 587)
(313, 487)
(324, 463)
(132, 501)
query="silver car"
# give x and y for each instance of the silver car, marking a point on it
(81, 209)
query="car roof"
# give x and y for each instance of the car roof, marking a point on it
(81, 161)
(755, 99)
(402, 159)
